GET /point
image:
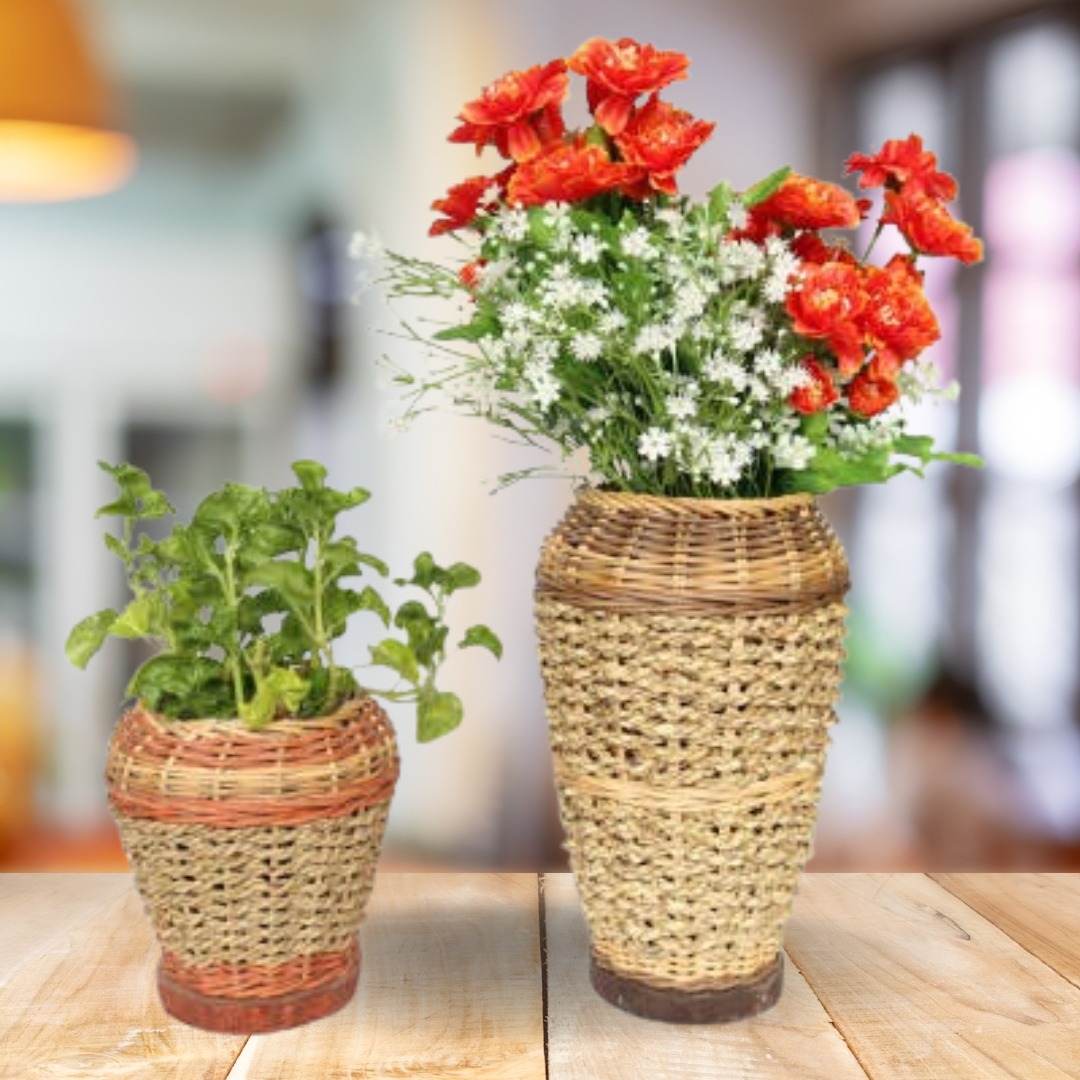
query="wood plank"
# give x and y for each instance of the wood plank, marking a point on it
(85, 1004)
(923, 987)
(450, 987)
(1040, 911)
(38, 909)
(588, 1039)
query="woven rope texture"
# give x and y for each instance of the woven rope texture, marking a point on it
(690, 686)
(254, 852)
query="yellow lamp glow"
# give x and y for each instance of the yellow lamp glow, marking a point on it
(57, 140)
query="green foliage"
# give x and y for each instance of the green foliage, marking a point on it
(244, 604)
(764, 188)
(830, 469)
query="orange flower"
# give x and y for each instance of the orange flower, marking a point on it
(828, 305)
(519, 113)
(471, 275)
(567, 172)
(462, 202)
(868, 396)
(818, 394)
(812, 249)
(898, 316)
(903, 166)
(801, 202)
(618, 72)
(930, 229)
(659, 140)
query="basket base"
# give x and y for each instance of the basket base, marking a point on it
(736, 1002)
(253, 1016)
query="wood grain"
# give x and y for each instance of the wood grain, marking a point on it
(84, 1005)
(589, 1039)
(1039, 911)
(36, 910)
(925, 988)
(450, 987)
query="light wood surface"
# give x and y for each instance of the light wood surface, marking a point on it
(82, 1002)
(1039, 911)
(449, 987)
(887, 976)
(923, 987)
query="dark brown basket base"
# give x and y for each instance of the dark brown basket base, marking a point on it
(735, 1002)
(253, 1016)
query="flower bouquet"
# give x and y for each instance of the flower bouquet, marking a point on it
(720, 361)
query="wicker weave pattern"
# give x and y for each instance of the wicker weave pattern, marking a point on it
(639, 553)
(689, 725)
(260, 889)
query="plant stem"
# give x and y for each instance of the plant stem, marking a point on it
(873, 241)
(234, 604)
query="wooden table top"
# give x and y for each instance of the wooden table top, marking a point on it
(887, 976)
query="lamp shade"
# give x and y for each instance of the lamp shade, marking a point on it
(57, 137)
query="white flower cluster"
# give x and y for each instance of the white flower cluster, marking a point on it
(656, 336)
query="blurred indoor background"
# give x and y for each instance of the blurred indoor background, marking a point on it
(198, 321)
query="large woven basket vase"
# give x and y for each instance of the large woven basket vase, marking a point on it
(691, 653)
(254, 854)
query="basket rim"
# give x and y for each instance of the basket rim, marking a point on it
(694, 503)
(234, 726)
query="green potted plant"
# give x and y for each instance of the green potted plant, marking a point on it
(252, 776)
(721, 361)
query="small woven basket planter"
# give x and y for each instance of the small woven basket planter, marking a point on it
(691, 653)
(254, 854)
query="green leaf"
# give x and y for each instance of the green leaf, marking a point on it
(376, 564)
(413, 614)
(291, 643)
(719, 200)
(138, 499)
(830, 470)
(339, 604)
(116, 546)
(427, 636)
(231, 509)
(972, 461)
(88, 636)
(461, 576)
(436, 714)
(760, 191)
(269, 540)
(815, 427)
(282, 690)
(425, 571)
(154, 505)
(166, 676)
(482, 326)
(370, 600)
(922, 447)
(254, 607)
(126, 506)
(398, 657)
(295, 583)
(143, 617)
(340, 559)
(311, 474)
(482, 636)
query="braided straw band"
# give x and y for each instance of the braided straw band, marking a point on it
(625, 552)
(690, 652)
(217, 772)
(326, 983)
